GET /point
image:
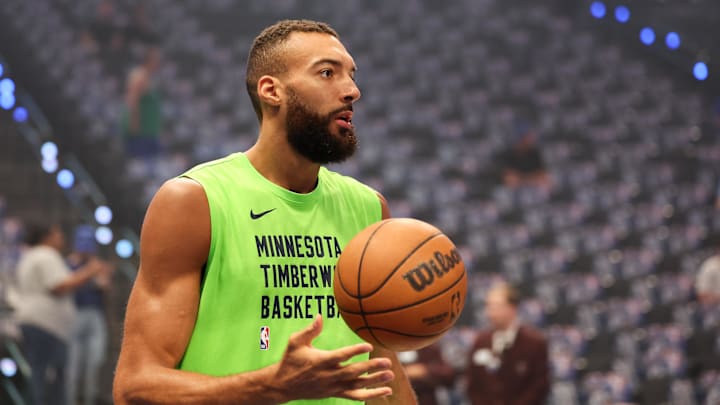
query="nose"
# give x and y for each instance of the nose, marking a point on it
(351, 93)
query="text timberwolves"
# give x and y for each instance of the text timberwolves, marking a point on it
(314, 273)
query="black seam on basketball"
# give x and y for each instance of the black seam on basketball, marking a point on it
(367, 242)
(370, 329)
(421, 244)
(359, 272)
(384, 311)
(415, 249)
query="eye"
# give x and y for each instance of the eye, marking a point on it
(326, 73)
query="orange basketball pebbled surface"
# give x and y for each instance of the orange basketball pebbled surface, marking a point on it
(400, 283)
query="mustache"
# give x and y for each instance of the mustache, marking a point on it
(347, 107)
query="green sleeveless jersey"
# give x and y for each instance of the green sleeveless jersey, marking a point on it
(270, 265)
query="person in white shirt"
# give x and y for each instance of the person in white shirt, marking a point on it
(707, 284)
(45, 310)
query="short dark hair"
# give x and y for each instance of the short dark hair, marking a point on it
(265, 57)
(35, 232)
(511, 293)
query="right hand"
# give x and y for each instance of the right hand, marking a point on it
(309, 373)
(103, 278)
(100, 268)
(96, 266)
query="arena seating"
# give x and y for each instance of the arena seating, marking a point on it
(606, 259)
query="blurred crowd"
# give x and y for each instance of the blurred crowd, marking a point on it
(57, 289)
(57, 295)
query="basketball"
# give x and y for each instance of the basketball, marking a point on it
(400, 283)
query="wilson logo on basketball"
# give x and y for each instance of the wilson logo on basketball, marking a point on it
(456, 305)
(425, 273)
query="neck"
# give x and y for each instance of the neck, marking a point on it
(508, 326)
(49, 245)
(274, 158)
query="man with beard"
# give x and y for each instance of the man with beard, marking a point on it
(233, 299)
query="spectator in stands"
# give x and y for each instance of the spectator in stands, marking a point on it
(140, 30)
(45, 308)
(522, 163)
(105, 37)
(707, 284)
(142, 120)
(89, 340)
(427, 371)
(508, 364)
(104, 32)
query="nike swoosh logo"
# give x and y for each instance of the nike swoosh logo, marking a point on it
(260, 214)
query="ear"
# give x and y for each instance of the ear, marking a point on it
(269, 90)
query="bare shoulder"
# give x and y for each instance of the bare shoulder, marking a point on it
(182, 187)
(180, 204)
(177, 225)
(178, 194)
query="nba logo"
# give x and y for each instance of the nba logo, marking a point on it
(264, 338)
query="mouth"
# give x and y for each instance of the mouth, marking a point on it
(344, 119)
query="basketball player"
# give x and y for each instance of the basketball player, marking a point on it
(233, 302)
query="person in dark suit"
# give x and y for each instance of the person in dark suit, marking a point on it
(523, 164)
(427, 370)
(508, 364)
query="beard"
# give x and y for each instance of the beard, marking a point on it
(309, 133)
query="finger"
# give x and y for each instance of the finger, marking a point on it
(365, 394)
(374, 380)
(352, 371)
(342, 354)
(306, 336)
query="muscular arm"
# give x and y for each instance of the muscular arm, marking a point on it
(403, 393)
(163, 308)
